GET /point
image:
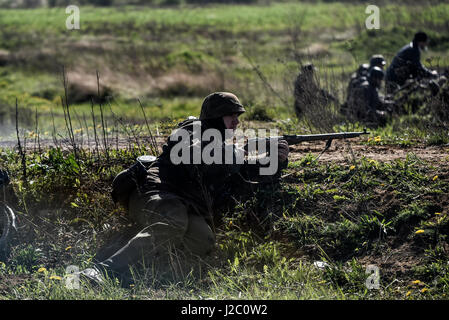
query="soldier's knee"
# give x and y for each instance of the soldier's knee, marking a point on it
(199, 238)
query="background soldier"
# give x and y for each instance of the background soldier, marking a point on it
(361, 75)
(358, 78)
(377, 60)
(174, 204)
(307, 92)
(407, 64)
(367, 104)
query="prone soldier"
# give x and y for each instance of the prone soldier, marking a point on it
(174, 203)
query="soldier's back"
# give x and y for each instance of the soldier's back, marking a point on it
(357, 99)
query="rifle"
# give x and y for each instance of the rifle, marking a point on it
(296, 139)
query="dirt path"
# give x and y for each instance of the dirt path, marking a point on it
(340, 151)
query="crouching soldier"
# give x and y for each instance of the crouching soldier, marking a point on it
(367, 104)
(174, 199)
(307, 92)
(407, 64)
(362, 72)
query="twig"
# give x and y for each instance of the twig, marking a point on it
(37, 126)
(102, 119)
(21, 151)
(120, 120)
(263, 78)
(95, 127)
(87, 130)
(154, 147)
(55, 139)
(69, 122)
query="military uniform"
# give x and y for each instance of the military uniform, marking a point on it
(366, 104)
(307, 93)
(375, 108)
(357, 78)
(361, 75)
(175, 204)
(405, 65)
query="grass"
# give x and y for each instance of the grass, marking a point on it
(236, 18)
(348, 213)
(233, 18)
(186, 52)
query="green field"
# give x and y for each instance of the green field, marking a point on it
(187, 52)
(382, 199)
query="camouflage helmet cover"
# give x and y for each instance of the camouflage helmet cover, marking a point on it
(219, 104)
(377, 60)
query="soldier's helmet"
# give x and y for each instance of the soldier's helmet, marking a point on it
(309, 67)
(420, 37)
(363, 69)
(219, 104)
(376, 73)
(377, 60)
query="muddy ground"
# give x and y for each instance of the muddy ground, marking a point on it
(343, 151)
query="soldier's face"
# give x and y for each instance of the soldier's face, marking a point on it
(423, 45)
(231, 121)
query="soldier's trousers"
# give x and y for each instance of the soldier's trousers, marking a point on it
(167, 222)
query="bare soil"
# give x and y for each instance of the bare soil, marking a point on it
(9, 281)
(343, 151)
(340, 151)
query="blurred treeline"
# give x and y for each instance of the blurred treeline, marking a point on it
(62, 3)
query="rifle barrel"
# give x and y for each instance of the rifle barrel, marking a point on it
(293, 139)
